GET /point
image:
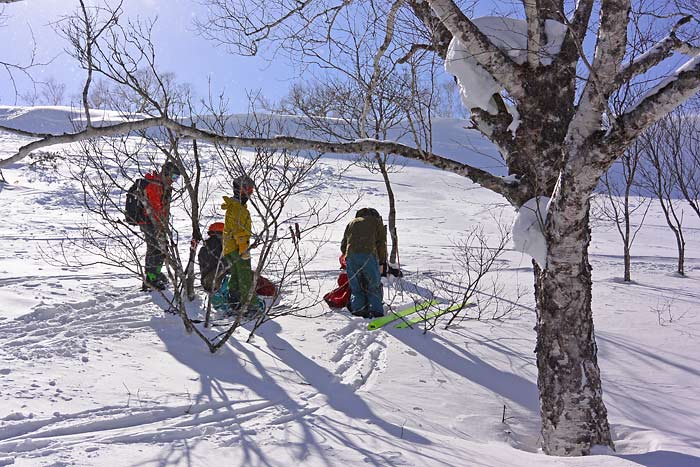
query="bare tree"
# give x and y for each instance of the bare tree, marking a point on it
(686, 161)
(12, 68)
(474, 290)
(326, 104)
(618, 204)
(664, 143)
(49, 92)
(360, 88)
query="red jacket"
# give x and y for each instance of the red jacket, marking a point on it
(158, 194)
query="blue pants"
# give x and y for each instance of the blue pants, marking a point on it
(365, 283)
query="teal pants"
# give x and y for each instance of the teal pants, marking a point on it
(240, 280)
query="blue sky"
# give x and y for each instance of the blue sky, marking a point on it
(180, 50)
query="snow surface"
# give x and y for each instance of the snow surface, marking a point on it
(94, 373)
(527, 233)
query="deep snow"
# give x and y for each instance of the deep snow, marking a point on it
(93, 372)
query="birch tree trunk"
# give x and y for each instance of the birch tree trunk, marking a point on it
(574, 417)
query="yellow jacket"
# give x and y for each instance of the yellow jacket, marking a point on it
(237, 226)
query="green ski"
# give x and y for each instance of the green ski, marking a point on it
(434, 314)
(394, 315)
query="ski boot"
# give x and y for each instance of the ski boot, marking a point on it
(362, 313)
(153, 282)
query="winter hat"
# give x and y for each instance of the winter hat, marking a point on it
(244, 183)
(216, 227)
(169, 169)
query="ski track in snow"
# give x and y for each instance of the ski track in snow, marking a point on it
(66, 329)
(359, 353)
(220, 422)
(71, 330)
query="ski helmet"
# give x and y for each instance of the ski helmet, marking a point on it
(170, 169)
(216, 227)
(245, 184)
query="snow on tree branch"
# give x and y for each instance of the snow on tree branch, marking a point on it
(507, 188)
(655, 104)
(609, 52)
(656, 54)
(478, 86)
(496, 62)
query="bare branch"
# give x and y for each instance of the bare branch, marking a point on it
(609, 52)
(391, 20)
(578, 24)
(495, 183)
(414, 49)
(612, 42)
(656, 54)
(654, 105)
(534, 31)
(440, 35)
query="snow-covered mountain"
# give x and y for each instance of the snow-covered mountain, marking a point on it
(94, 372)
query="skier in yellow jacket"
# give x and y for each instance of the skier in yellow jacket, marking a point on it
(236, 242)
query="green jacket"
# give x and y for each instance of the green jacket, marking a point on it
(365, 235)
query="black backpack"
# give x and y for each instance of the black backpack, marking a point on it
(135, 210)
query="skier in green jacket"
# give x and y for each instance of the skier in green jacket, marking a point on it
(364, 248)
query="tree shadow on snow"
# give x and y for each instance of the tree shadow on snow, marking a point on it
(663, 459)
(339, 397)
(220, 376)
(460, 361)
(237, 364)
(652, 404)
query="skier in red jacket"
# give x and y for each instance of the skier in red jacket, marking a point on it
(156, 227)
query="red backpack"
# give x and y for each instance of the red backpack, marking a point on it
(340, 296)
(265, 287)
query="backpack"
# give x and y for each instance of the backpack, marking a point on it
(340, 296)
(219, 299)
(134, 210)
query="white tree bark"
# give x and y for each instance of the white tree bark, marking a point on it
(562, 151)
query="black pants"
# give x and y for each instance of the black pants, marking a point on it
(155, 246)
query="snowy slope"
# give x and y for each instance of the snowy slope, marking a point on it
(451, 140)
(93, 372)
